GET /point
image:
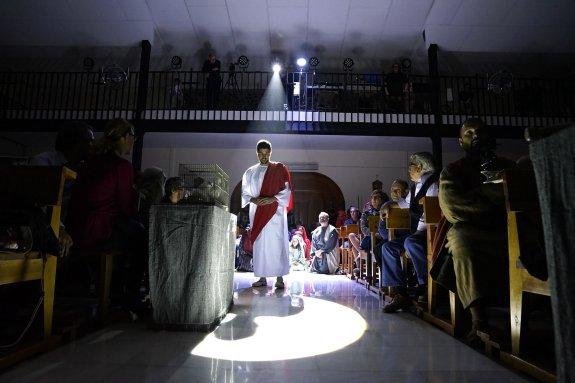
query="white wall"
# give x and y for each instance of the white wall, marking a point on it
(353, 162)
(352, 170)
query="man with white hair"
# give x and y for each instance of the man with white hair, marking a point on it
(324, 247)
(422, 173)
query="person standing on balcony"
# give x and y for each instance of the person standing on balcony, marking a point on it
(396, 89)
(212, 67)
(266, 187)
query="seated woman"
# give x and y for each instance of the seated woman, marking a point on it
(174, 190)
(297, 254)
(103, 207)
(300, 229)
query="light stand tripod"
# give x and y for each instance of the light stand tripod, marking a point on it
(232, 82)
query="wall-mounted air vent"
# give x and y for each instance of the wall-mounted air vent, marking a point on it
(302, 166)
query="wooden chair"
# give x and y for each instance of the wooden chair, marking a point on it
(398, 219)
(521, 199)
(34, 186)
(347, 253)
(453, 325)
(340, 242)
(373, 274)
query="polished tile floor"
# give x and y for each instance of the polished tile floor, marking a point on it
(320, 329)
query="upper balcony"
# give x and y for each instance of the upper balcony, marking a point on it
(340, 103)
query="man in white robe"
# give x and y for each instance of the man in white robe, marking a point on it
(266, 188)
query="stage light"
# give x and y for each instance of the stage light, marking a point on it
(88, 63)
(348, 64)
(243, 62)
(276, 68)
(301, 62)
(313, 62)
(176, 62)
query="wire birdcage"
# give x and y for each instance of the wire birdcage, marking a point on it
(205, 184)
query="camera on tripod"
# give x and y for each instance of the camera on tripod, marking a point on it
(232, 67)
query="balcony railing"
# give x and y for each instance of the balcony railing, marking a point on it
(307, 97)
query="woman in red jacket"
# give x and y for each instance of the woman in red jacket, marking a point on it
(104, 201)
(103, 206)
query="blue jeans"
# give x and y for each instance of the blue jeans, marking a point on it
(416, 245)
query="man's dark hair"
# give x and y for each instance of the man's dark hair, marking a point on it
(173, 184)
(263, 144)
(472, 122)
(384, 197)
(401, 182)
(71, 134)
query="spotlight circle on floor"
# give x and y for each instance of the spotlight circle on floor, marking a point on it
(266, 328)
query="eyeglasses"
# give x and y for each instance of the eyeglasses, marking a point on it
(324, 219)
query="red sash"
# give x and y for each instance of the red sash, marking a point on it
(274, 181)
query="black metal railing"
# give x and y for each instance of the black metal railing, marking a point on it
(90, 95)
(351, 92)
(76, 95)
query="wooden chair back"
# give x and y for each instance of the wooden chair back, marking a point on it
(346, 253)
(452, 325)
(41, 186)
(397, 219)
(24, 186)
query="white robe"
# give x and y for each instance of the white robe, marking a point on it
(270, 250)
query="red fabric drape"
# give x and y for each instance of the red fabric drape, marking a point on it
(274, 181)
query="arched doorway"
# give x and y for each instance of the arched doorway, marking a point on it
(313, 193)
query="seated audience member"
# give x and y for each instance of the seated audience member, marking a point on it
(174, 190)
(341, 217)
(300, 229)
(398, 191)
(71, 148)
(477, 239)
(354, 216)
(324, 247)
(422, 173)
(378, 198)
(244, 250)
(103, 208)
(297, 254)
(149, 185)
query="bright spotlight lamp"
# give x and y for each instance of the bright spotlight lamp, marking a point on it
(276, 68)
(301, 62)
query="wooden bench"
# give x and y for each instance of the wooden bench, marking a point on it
(521, 199)
(25, 186)
(453, 325)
